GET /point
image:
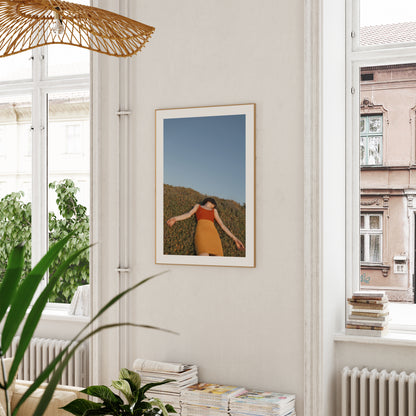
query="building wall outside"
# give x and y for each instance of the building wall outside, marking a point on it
(389, 189)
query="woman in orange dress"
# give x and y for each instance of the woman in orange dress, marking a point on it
(207, 240)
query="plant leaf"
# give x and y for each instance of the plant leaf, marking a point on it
(148, 386)
(170, 408)
(158, 403)
(11, 279)
(36, 314)
(78, 407)
(26, 291)
(103, 393)
(133, 378)
(124, 387)
(115, 299)
(47, 395)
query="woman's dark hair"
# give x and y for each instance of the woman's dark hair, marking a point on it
(212, 200)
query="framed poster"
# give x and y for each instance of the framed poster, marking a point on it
(205, 186)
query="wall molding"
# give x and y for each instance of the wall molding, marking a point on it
(313, 277)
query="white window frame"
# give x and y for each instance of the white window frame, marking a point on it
(39, 87)
(357, 57)
(367, 232)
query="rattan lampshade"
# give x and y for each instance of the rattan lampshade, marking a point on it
(27, 24)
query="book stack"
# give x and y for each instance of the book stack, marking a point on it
(369, 314)
(262, 403)
(185, 375)
(208, 399)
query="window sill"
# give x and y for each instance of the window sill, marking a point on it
(58, 312)
(399, 339)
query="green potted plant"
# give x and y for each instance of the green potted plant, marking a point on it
(17, 310)
(135, 402)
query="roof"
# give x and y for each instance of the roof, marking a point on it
(386, 34)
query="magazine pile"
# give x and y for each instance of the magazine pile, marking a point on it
(369, 314)
(205, 399)
(184, 375)
(262, 403)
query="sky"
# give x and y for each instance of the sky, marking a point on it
(206, 154)
(377, 12)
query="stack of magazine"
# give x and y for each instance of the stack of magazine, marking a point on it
(185, 375)
(208, 399)
(262, 403)
(369, 314)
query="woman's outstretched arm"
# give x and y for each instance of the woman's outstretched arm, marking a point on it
(237, 242)
(185, 216)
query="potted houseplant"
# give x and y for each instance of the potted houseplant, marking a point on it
(17, 310)
(135, 402)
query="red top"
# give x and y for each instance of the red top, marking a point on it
(204, 214)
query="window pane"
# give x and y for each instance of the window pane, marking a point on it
(67, 60)
(69, 179)
(386, 21)
(362, 125)
(375, 222)
(387, 178)
(362, 221)
(374, 151)
(362, 151)
(15, 178)
(362, 247)
(16, 67)
(375, 249)
(375, 124)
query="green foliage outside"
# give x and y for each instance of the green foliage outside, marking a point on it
(179, 239)
(15, 227)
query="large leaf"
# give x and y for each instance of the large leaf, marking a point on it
(26, 291)
(147, 387)
(115, 299)
(47, 395)
(170, 408)
(103, 393)
(158, 403)
(124, 387)
(36, 314)
(78, 407)
(132, 377)
(11, 279)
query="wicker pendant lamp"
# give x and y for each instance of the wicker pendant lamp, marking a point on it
(27, 24)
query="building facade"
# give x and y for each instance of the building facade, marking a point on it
(388, 179)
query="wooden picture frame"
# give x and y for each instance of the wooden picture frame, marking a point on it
(206, 153)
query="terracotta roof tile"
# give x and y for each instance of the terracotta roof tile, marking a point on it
(387, 34)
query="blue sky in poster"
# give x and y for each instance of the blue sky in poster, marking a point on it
(206, 154)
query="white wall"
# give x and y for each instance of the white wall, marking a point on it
(241, 326)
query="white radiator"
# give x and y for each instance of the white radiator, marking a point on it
(378, 393)
(42, 351)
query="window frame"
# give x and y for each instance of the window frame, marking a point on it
(358, 57)
(367, 232)
(366, 135)
(39, 87)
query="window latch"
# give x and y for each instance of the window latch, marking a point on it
(123, 269)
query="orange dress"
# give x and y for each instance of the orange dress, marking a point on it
(207, 239)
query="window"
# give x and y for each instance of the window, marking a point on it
(381, 75)
(371, 234)
(36, 174)
(371, 140)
